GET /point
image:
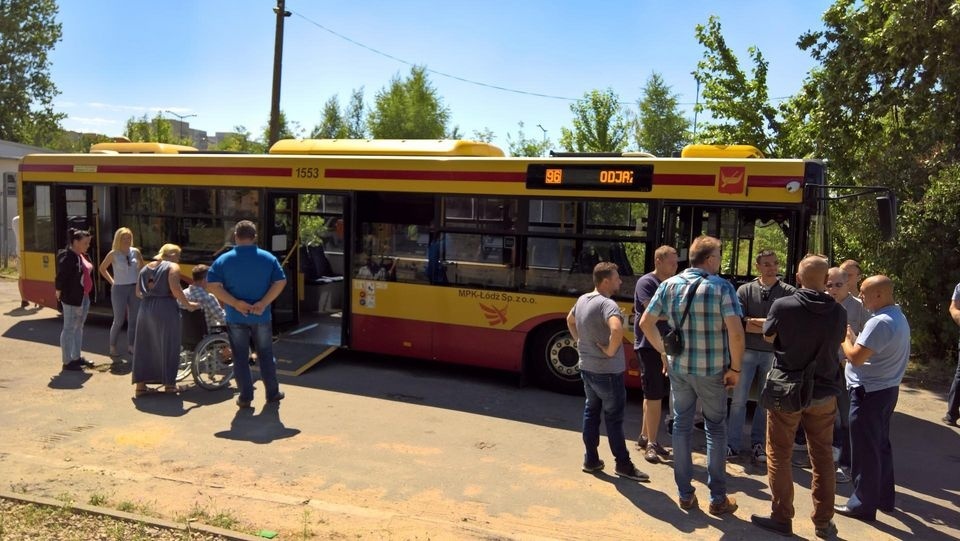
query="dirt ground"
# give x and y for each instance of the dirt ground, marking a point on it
(371, 448)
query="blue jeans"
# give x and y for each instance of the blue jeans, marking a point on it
(262, 334)
(953, 399)
(686, 389)
(755, 363)
(606, 394)
(71, 337)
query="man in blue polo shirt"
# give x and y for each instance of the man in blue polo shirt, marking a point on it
(877, 360)
(247, 279)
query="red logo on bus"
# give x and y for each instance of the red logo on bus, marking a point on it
(732, 179)
(495, 316)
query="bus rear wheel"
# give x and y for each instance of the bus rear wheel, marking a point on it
(553, 359)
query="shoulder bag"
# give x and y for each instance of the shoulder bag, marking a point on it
(788, 391)
(673, 340)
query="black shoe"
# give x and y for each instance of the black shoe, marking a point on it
(243, 404)
(277, 397)
(593, 468)
(73, 365)
(853, 513)
(633, 473)
(949, 420)
(85, 362)
(767, 523)
(826, 532)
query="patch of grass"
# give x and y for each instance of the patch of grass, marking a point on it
(211, 517)
(932, 375)
(100, 500)
(139, 508)
(307, 533)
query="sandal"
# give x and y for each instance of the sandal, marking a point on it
(172, 389)
(137, 393)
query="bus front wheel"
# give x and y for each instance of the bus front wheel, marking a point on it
(554, 361)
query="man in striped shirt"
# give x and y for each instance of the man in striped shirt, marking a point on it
(708, 366)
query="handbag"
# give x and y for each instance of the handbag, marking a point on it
(673, 340)
(788, 391)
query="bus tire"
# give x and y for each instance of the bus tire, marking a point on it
(210, 370)
(553, 361)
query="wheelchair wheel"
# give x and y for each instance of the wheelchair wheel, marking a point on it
(209, 369)
(186, 364)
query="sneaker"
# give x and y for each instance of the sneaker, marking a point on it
(594, 468)
(73, 365)
(828, 531)
(759, 455)
(688, 503)
(660, 450)
(767, 523)
(732, 455)
(842, 475)
(949, 420)
(633, 473)
(642, 442)
(85, 362)
(728, 505)
(801, 460)
(277, 397)
(243, 403)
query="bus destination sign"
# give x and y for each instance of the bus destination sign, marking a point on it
(638, 178)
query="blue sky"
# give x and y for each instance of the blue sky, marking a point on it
(214, 58)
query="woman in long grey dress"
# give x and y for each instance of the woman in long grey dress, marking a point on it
(157, 347)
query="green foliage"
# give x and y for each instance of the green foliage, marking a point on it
(527, 146)
(342, 123)
(288, 129)
(739, 104)
(69, 142)
(240, 141)
(156, 129)
(408, 109)
(28, 32)
(660, 128)
(599, 124)
(485, 135)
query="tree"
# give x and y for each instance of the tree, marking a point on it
(240, 141)
(156, 129)
(485, 135)
(884, 108)
(355, 116)
(28, 32)
(408, 109)
(740, 105)
(288, 130)
(660, 128)
(332, 124)
(599, 124)
(527, 146)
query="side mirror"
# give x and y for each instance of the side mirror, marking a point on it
(887, 212)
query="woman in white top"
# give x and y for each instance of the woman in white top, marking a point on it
(126, 262)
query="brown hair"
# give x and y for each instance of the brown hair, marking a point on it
(766, 253)
(602, 271)
(663, 251)
(245, 229)
(702, 248)
(200, 272)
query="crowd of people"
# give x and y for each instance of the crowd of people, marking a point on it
(702, 342)
(236, 291)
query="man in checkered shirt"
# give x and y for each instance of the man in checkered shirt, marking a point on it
(708, 366)
(197, 292)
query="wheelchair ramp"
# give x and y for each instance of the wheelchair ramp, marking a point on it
(295, 358)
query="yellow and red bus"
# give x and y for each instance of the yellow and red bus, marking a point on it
(443, 250)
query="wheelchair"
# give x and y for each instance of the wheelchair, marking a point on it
(204, 354)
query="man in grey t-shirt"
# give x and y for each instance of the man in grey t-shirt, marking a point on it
(596, 323)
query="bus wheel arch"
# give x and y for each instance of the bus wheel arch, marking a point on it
(552, 359)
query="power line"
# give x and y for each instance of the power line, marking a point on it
(464, 79)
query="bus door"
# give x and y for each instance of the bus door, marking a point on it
(280, 239)
(74, 208)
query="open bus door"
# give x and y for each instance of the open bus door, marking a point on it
(280, 239)
(74, 208)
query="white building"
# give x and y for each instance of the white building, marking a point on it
(10, 154)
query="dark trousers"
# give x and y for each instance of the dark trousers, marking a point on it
(781, 428)
(841, 430)
(872, 454)
(953, 399)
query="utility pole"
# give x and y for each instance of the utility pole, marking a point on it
(696, 105)
(281, 12)
(544, 130)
